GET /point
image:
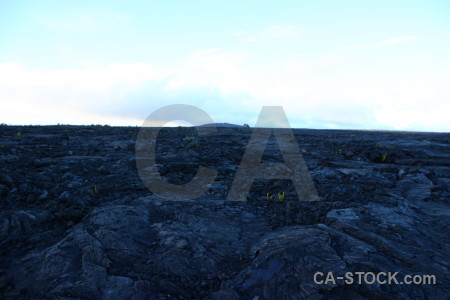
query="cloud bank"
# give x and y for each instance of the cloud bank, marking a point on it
(314, 94)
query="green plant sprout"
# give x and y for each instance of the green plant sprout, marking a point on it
(19, 133)
(95, 190)
(383, 157)
(190, 137)
(280, 196)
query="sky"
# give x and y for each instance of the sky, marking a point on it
(330, 64)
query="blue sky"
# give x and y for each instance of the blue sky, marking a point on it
(330, 64)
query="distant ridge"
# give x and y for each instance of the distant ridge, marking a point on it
(219, 125)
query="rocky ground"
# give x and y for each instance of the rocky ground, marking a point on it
(77, 222)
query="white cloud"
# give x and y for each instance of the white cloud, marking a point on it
(208, 68)
(393, 41)
(239, 33)
(387, 42)
(86, 95)
(319, 93)
(282, 32)
(275, 32)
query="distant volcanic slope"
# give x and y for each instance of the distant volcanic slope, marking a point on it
(228, 125)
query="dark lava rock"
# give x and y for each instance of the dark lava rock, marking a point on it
(3, 190)
(78, 223)
(6, 180)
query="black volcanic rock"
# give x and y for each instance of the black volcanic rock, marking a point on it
(76, 221)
